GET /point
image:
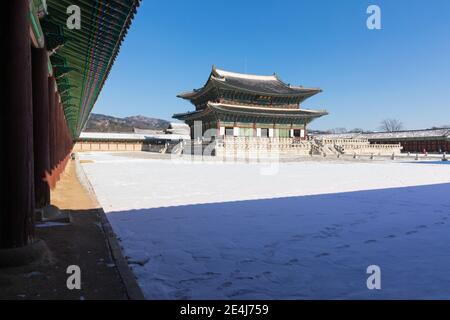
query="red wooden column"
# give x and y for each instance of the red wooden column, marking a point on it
(58, 132)
(59, 136)
(17, 207)
(51, 112)
(40, 126)
(53, 106)
(55, 131)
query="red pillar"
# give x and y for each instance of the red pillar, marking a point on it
(60, 134)
(55, 131)
(51, 113)
(58, 131)
(17, 209)
(40, 126)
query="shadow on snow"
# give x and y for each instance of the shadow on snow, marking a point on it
(303, 247)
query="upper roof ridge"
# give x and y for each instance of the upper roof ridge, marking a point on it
(254, 84)
(225, 74)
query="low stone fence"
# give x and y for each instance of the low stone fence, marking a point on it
(356, 146)
(344, 141)
(262, 147)
(247, 147)
(81, 146)
(375, 149)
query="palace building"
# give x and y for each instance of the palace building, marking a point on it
(245, 115)
(245, 105)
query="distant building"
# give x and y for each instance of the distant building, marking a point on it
(430, 140)
(178, 129)
(147, 131)
(107, 141)
(246, 105)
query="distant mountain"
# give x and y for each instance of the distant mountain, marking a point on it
(103, 123)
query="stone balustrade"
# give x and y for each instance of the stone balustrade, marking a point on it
(242, 146)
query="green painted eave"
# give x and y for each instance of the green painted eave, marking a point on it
(82, 59)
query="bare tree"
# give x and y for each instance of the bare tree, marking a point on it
(391, 125)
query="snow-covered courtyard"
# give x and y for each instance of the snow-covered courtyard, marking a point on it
(303, 230)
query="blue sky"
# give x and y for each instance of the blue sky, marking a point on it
(401, 71)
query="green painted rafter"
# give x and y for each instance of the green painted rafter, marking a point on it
(81, 59)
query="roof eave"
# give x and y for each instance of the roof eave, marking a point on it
(307, 93)
(269, 111)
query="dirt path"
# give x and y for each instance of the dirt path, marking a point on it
(82, 243)
(70, 194)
